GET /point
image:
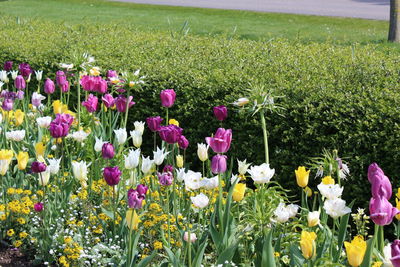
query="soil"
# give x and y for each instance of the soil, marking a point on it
(10, 257)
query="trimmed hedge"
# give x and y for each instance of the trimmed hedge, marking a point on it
(343, 97)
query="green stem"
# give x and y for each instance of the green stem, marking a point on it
(127, 111)
(265, 134)
(79, 98)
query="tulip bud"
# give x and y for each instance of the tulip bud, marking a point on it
(302, 176)
(107, 151)
(38, 167)
(38, 207)
(167, 97)
(136, 138)
(19, 82)
(179, 161)
(355, 251)
(313, 218)
(307, 244)
(220, 112)
(154, 123)
(202, 152)
(183, 142)
(49, 86)
(192, 238)
(112, 175)
(8, 65)
(61, 79)
(218, 163)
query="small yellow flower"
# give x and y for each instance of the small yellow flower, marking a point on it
(398, 193)
(21, 221)
(238, 192)
(68, 239)
(157, 245)
(328, 180)
(17, 243)
(355, 251)
(377, 264)
(307, 244)
(302, 176)
(398, 207)
(174, 122)
(10, 232)
(22, 235)
(11, 191)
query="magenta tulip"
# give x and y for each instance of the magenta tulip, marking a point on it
(165, 178)
(220, 112)
(102, 86)
(38, 207)
(378, 179)
(167, 97)
(61, 79)
(221, 141)
(49, 86)
(183, 142)
(38, 167)
(25, 70)
(120, 103)
(135, 201)
(108, 100)
(111, 74)
(381, 211)
(107, 151)
(8, 65)
(154, 123)
(168, 168)
(60, 126)
(91, 103)
(395, 247)
(65, 87)
(112, 175)
(218, 163)
(142, 190)
(170, 134)
(20, 83)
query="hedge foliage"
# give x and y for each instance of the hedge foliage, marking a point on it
(344, 97)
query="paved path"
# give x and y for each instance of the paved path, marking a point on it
(368, 9)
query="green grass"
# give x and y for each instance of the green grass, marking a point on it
(241, 24)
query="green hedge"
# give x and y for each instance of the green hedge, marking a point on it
(343, 97)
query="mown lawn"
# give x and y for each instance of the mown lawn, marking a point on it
(242, 24)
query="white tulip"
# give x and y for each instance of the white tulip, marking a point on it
(210, 184)
(15, 135)
(234, 179)
(281, 213)
(292, 209)
(192, 180)
(180, 174)
(139, 126)
(330, 191)
(44, 177)
(200, 201)
(4, 164)
(136, 138)
(387, 255)
(261, 174)
(121, 135)
(313, 218)
(243, 167)
(43, 122)
(336, 207)
(202, 151)
(54, 165)
(4, 76)
(39, 75)
(80, 170)
(159, 156)
(99, 144)
(147, 165)
(14, 74)
(79, 136)
(132, 160)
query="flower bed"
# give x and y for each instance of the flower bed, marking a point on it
(77, 191)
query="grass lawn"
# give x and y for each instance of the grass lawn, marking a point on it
(242, 24)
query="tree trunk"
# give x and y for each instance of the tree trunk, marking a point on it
(394, 26)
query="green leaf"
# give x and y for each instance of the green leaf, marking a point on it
(296, 257)
(368, 254)
(147, 260)
(227, 254)
(342, 233)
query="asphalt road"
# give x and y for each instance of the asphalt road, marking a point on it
(367, 9)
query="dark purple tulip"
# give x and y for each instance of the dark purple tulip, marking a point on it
(7, 104)
(20, 94)
(61, 79)
(107, 151)
(49, 86)
(38, 167)
(60, 126)
(65, 87)
(91, 103)
(167, 97)
(218, 163)
(20, 83)
(395, 253)
(120, 103)
(112, 175)
(183, 142)
(378, 179)
(142, 190)
(135, 200)
(165, 178)
(221, 141)
(8, 65)
(25, 70)
(111, 74)
(220, 112)
(38, 207)
(170, 134)
(154, 123)
(381, 211)
(108, 100)
(168, 168)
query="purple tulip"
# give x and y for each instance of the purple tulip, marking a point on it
(154, 123)
(20, 83)
(25, 70)
(107, 151)
(220, 112)
(60, 126)
(38, 207)
(112, 175)
(88, 82)
(7, 104)
(168, 168)
(167, 97)
(120, 103)
(20, 95)
(395, 253)
(135, 201)
(111, 74)
(165, 178)
(49, 86)
(378, 179)
(91, 103)
(65, 87)
(221, 141)
(218, 163)
(38, 167)
(108, 100)
(102, 86)
(142, 190)
(170, 134)
(381, 211)
(8, 65)
(61, 79)
(183, 142)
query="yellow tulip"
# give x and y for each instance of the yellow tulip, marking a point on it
(355, 250)
(22, 159)
(19, 117)
(132, 219)
(307, 244)
(398, 193)
(59, 107)
(308, 191)
(40, 148)
(238, 192)
(398, 207)
(174, 122)
(6, 154)
(302, 176)
(179, 161)
(328, 180)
